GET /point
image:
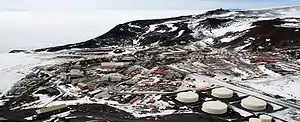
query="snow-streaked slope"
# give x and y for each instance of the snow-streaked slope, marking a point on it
(225, 27)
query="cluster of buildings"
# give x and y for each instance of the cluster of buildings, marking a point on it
(28, 84)
(146, 82)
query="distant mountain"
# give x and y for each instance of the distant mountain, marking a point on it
(254, 30)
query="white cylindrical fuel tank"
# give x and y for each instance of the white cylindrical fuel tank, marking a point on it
(254, 120)
(187, 97)
(222, 93)
(265, 118)
(214, 107)
(254, 104)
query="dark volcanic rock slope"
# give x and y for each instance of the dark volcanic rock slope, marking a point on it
(170, 31)
(263, 30)
(267, 35)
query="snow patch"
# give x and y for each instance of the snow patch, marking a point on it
(174, 28)
(225, 15)
(208, 41)
(135, 42)
(267, 71)
(2, 102)
(229, 39)
(247, 61)
(151, 28)
(293, 25)
(233, 28)
(242, 47)
(133, 26)
(287, 87)
(161, 31)
(291, 20)
(261, 47)
(180, 33)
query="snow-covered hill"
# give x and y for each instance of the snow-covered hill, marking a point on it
(265, 30)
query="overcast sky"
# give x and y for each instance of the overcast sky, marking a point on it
(28, 24)
(80, 5)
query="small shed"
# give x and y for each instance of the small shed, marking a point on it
(114, 77)
(82, 86)
(128, 59)
(76, 73)
(115, 64)
(51, 110)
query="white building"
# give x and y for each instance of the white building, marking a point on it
(76, 73)
(115, 64)
(114, 77)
